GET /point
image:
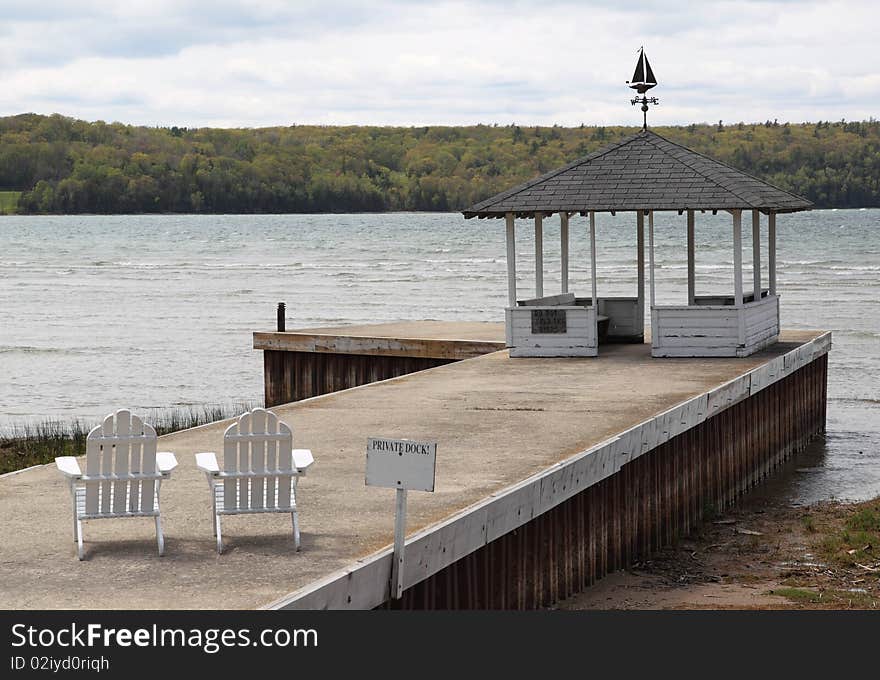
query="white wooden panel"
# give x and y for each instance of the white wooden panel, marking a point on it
(123, 428)
(727, 395)
(230, 464)
(728, 335)
(697, 342)
(93, 468)
(148, 465)
(685, 352)
(821, 345)
(109, 427)
(363, 585)
(569, 351)
(244, 461)
(285, 464)
(511, 509)
(698, 319)
(258, 458)
(135, 465)
(757, 346)
(764, 375)
(430, 551)
(574, 323)
(539, 255)
(271, 461)
(511, 260)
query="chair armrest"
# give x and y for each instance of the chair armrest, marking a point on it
(207, 462)
(302, 459)
(166, 461)
(68, 467)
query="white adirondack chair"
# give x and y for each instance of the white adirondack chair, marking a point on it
(123, 474)
(260, 470)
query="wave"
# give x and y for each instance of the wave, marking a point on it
(30, 349)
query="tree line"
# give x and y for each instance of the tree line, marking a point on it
(63, 165)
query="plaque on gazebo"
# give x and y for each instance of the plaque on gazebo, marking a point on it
(547, 321)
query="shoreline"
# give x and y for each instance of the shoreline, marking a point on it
(759, 555)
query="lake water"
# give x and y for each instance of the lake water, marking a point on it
(158, 311)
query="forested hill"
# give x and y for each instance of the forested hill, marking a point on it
(62, 165)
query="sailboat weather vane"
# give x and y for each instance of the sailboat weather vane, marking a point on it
(643, 80)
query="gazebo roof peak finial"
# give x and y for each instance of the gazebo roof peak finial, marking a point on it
(643, 80)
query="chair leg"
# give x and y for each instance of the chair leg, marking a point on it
(79, 538)
(218, 533)
(296, 537)
(75, 520)
(160, 538)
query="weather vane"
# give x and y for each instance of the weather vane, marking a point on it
(642, 81)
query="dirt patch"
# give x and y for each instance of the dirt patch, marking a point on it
(758, 556)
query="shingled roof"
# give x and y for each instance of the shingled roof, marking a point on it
(643, 172)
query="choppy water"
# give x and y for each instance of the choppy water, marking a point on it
(156, 311)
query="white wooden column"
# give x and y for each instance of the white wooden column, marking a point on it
(738, 271)
(593, 260)
(640, 267)
(563, 248)
(511, 261)
(771, 251)
(539, 255)
(756, 254)
(651, 252)
(692, 290)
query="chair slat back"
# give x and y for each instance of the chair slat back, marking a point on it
(258, 447)
(122, 446)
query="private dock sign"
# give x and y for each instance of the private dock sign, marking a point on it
(401, 464)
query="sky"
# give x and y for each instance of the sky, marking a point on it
(255, 63)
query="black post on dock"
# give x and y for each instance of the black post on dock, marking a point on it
(281, 315)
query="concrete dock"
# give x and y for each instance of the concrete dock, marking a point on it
(502, 426)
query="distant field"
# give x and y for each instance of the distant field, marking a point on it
(9, 202)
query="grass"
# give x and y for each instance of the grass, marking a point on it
(9, 202)
(857, 541)
(798, 594)
(832, 598)
(27, 445)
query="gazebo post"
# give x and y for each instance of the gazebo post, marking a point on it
(563, 248)
(640, 268)
(539, 255)
(692, 292)
(651, 251)
(737, 271)
(771, 251)
(511, 260)
(756, 254)
(593, 261)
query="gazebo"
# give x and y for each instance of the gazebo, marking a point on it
(643, 173)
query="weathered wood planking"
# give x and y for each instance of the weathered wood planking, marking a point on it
(714, 330)
(375, 346)
(676, 464)
(579, 339)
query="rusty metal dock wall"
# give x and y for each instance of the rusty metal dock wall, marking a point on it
(293, 376)
(649, 503)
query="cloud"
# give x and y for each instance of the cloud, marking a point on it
(268, 62)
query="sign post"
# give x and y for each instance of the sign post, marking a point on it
(400, 464)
